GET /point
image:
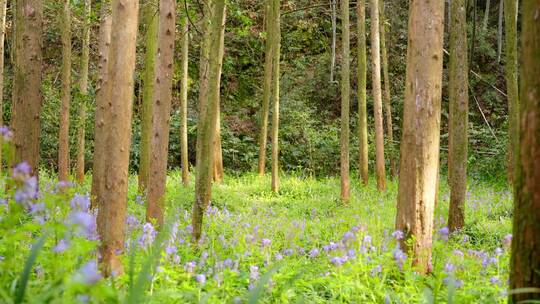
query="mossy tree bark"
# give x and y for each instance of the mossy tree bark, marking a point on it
(184, 100)
(218, 152)
(362, 80)
(345, 102)
(27, 97)
(112, 210)
(63, 137)
(459, 112)
(525, 260)
(421, 129)
(206, 126)
(102, 107)
(161, 112)
(83, 86)
(276, 46)
(387, 93)
(380, 171)
(267, 86)
(3, 7)
(150, 21)
(512, 89)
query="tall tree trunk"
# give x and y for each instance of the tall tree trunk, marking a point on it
(218, 151)
(3, 7)
(459, 112)
(276, 45)
(486, 15)
(525, 260)
(500, 31)
(161, 113)
(112, 211)
(63, 137)
(150, 21)
(334, 35)
(83, 85)
(512, 88)
(421, 129)
(206, 126)
(27, 97)
(184, 99)
(387, 98)
(267, 86)
(102, 107)
(345, 99)
(362, 80)
(377, 97)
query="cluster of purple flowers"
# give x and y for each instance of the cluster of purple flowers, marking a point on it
(6, 133)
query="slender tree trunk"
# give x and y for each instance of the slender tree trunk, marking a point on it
(362, 80)
(512, 88)
(83, 85)
(345, 92)
(150, 21)
(276, 45)
(525, 261)
(267, 86)
(161, 113)
(387, 98)
(203, 75)
(184, 100)
(63, 137)
(421, 129)
(486, 15)
(3, 7)
(218, 157)
(334, 35)
(206, 127)
(500, 31)
(377, 97)
(459, 111)
(112, 211)
(102, 106)
(27, 97)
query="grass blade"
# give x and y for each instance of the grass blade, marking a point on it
(25, 275)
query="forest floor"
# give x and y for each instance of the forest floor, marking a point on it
(299, 246)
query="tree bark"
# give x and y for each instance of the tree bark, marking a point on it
(184, 100)
(345, 100)
(63, 137)
(500, 31)
(206, 126)
(112, 211)
(362, 80)
(27, 97)
(150, 21)
(512, 89)
(377, 97)
(267, 86)
(459, 111)
(83, 85)
(218, 151)
(276, 46)
(161, 113)
(387, 93)
(486, 15)
(3, 8)
(421, 129)
(525, 260)
(102, 105)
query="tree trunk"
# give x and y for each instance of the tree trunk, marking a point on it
(84, 92)
(334, 35)
(27, 97)
(150, 21)
(3, 7)
(525, 261)
(345, 99)
(459, 112)
(112, 211)
(362, 80)
(63, 137)
(486, 15)
(512, 89)
(218, 151)
(377, 97)
(206, 126)
(102, 107)
(421, 129)
(387, 98)
(161, 113)
(184, 100)
(267, 86)
(276, 46)
(500, 31)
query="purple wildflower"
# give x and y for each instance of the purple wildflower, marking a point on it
(449, 268)
(88, 274)
(494, 280)
(265, 242)
(6, 133)
(288, 252)
(190, 266)
(507, 241)
(338, 261)
(313, 253)
(148, 235)
(22, 171)
(400, 257)
(201, 278)
(61, 246)
(398, 235)
(86, 223)
(28, 191)
(444, 233)
(80, 203)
